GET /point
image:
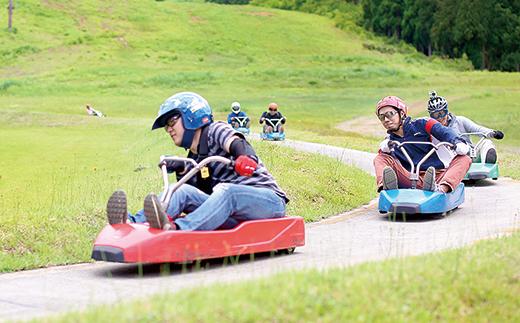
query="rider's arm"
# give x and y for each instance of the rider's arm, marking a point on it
(436, 129)
(282, 117)
(470, 126)
(262, 117)
(238, 146)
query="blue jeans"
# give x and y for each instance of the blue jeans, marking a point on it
(227, 206)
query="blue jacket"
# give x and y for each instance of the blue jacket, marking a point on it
(233, 114)
(425, 130)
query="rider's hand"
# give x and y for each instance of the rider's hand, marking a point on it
(245, 165)
(384, 146)
(262, 120)
(172, 166)
(462, 148)
(497, 134)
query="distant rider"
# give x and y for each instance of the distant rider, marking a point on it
(438, 110)
(237, 113)
(272, 114)
(444, 170)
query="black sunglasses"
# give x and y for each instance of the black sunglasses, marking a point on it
(172, 121)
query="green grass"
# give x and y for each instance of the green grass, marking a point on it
(58, 166)
(62, 170)
(480, 283)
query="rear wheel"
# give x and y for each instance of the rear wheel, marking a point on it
(287, 251)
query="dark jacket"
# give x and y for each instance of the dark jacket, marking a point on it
(425, 130)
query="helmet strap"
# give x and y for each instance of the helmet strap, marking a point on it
(401, 120)
(187, 138)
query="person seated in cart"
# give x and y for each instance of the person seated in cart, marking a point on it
(220, 197)
(272, 114)
(438, 110)
(236, 113)
(444, 170)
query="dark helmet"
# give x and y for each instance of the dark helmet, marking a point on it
(194, 109)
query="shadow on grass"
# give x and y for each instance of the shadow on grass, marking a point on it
(132, 271)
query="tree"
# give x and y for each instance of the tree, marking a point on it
(417, 23)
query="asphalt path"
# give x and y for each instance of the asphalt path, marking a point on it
(491, 210)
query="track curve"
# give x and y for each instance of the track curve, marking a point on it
(491, 209)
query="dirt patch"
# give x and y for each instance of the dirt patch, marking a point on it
(261, 13)
(121, 40)
(197, 20)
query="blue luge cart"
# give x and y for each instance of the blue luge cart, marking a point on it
(418, 201)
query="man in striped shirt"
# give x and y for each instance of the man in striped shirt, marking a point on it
(222, 198)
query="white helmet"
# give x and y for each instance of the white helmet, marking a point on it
(235, 107)
(436, 103)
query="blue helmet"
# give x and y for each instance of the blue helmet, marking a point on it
(194, 109)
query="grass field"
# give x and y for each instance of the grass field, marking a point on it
(475, 284)
(58, 166)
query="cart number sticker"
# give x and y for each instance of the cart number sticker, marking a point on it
(204, 172)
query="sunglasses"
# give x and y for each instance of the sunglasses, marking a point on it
(389, 115)
(271, 109)
(172, 121)
(439, 114)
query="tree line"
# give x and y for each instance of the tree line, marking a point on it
(487, 31)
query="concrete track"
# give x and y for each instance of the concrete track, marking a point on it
(491, 210)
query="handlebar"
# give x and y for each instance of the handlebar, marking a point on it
(240, 120)
(278, 121)
(479, 133)
(414, 171)
(168, 191)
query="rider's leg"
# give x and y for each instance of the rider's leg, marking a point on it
(186, 199)
(403, 176)
(239, 202)
(454, 174)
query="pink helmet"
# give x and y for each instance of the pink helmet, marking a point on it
(392, 101)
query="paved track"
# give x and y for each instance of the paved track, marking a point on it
(491, 210)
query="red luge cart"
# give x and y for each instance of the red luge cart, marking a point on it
(138, 243)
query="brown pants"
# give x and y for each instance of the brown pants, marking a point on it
(450, 176)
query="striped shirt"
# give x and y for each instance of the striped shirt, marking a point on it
(218, 134)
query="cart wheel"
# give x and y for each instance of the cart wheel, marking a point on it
(287, 251)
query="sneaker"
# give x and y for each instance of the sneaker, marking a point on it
(491, 156)
(154, 213)
(429, 180)
(389, 179)
(116, 208)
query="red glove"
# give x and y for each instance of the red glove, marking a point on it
(245, 165)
